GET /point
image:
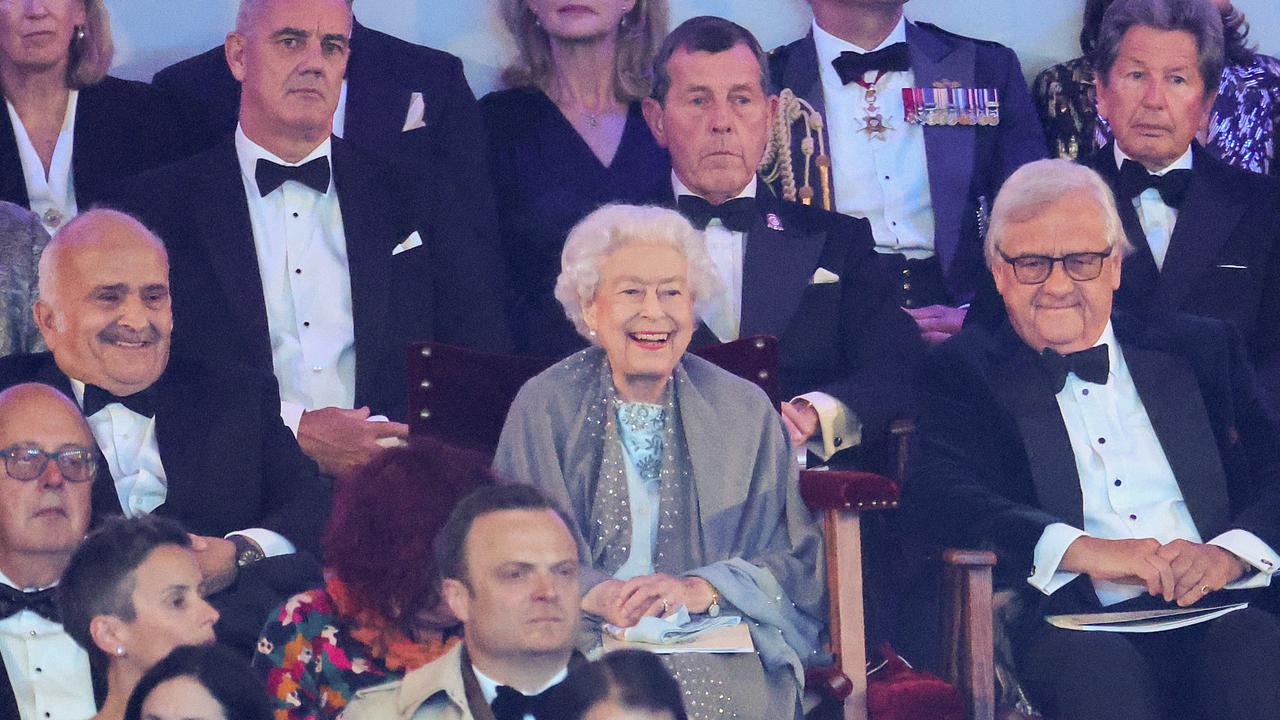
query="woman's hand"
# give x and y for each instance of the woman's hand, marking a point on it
(608, 600)
(668, 593)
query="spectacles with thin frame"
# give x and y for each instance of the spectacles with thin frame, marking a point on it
(1035, 269)
(28, 462)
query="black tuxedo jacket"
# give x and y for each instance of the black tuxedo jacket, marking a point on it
(230, 463)
(121, 130)
(1223, 260)
(447, 289)
(9, 703)
(848, 339)
(967, 164)
(382, 75)
(991, 462)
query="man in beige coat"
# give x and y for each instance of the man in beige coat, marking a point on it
(510, 573)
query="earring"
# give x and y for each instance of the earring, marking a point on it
(592, 333)
(79, 33)
(119, 651)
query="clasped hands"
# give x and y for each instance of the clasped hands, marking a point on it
(1180, 571)
(625, 602)
(341, 440)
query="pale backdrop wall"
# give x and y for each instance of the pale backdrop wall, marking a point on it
(153, 33)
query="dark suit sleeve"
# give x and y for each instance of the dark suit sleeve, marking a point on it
(295, 497)
(1256, 434)
(967, 484)
(1264, 348)
(1021, 135)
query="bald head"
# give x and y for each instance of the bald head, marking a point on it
(42, 518)
(104, 307)
(251, 11)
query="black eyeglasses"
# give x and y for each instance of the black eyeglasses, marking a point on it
(28, 462)
(1035, 269)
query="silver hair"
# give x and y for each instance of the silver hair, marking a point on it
(1035, 186)
(249, 12)
(1198, 18)
(75, 230)
(613, 227)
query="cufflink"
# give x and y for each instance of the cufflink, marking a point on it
(1033, 572)
(838, 441)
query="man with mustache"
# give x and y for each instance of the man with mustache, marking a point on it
(509, 567)
(48, 469)
(1111, 464)
(200, 444)
(1207, 235)
(801, 274)
(294, 253)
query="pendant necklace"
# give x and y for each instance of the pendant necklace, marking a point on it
(873, 123)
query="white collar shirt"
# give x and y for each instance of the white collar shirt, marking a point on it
(52, 196)
(884, 179)
(723, 315)
(1127, 486)
(1158, 219)
(489, 686)
(48, 672)
(302, 260)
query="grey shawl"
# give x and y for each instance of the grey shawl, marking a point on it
(22, 239)
(758, 544)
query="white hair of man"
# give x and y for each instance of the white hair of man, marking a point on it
(1036, 186)
(251, 10)
(614, 227)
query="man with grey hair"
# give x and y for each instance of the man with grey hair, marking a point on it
(1111, 464)
(1206, 235)
(322, 262)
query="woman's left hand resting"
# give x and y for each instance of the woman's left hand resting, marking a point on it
(691, 591)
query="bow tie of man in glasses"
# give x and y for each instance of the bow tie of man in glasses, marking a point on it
(1113, 463)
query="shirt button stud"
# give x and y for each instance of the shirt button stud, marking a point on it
(1102, 441)
(1084, 391)
(1118, 482)
(1133, 517)
(317, 369)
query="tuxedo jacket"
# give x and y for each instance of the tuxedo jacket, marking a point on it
(967, 164)
(445, 289)
(1223, 259)
(992, 466)
(230, 463)
(9, 702)
(382, 75)
(121, 130)
(847, 338)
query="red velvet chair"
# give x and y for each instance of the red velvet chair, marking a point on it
(462, 396)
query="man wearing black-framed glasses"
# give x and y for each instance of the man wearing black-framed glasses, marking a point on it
(1113, 463)
(45, 499)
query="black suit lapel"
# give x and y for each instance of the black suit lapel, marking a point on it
(776, 268)
(1139, 277)
(1023, 389)
(8, 703)
(178, 439)
(13, 185)
(1205, 223)
(376, 103)
(1170, 394)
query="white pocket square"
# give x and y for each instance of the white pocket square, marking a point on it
(409, 243)
(1234, 267)
(823, 276)
(417, 108)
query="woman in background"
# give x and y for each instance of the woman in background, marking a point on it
(568, 137)
(199, 683)
(622, 685)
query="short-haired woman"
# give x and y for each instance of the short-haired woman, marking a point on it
(567, 137)
(129, 596)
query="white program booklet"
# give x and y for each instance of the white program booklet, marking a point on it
(1143, 621)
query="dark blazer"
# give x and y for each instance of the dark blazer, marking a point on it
(9, 703)
(991, 462)
(121, 130)
(848, 339)
(966, 164)
(229, 461)
(382, 74)
(447, 289)
(1223, 259)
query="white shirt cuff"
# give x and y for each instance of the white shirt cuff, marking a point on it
(838, 426)
(271, 542)
(1052, 545)
(291, 414)
(1249, 548)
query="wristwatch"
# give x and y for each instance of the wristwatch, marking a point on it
(247, 551)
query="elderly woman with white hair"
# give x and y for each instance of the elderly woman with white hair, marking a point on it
(70, 132)
(678, 474)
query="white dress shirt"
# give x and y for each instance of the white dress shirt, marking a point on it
(340, 114)
(642, 499)
(1128, 488)
(884, 180)
(723, 316)
(302, 260)
(489, 686)
(128, 442)
(48, 671)
(1158, 219)
(52, 197)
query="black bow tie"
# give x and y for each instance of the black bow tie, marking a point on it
(1172, 185)
(271, 175)
(851, 66)
(142, 402)
(41, 602)
(1090, 365)
(736, 214)
(511, 704)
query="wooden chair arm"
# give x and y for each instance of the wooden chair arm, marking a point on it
(967, 619)
(848, 490)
